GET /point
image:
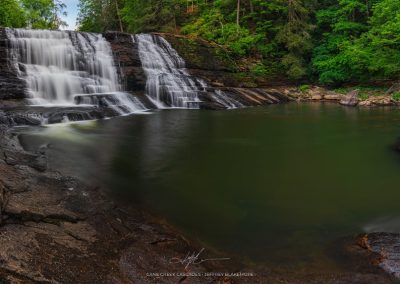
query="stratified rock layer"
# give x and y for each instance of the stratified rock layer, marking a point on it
(12, 89)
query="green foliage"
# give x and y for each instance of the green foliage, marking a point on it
(304, 88)
(214, 24)
(260, 70)
(151, 15)
(44, 14)
(36, 14)
(363, 96)
(361, 42)
(396, 97)
(100, 15)
(12, 14)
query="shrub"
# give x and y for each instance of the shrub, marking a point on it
(363, 96)
(304, 88)
(259, 70)
(396, 97)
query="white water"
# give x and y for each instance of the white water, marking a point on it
(225, 100)
(58, 65)
(168, 82)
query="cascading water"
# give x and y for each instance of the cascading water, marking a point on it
(225, 100)
(168, 82)
(60, 65)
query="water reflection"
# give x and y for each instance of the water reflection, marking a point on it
(276, 184)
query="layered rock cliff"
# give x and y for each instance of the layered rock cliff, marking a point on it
(209, 62)
(12, 89)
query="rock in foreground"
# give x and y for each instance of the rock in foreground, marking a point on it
(386, 250)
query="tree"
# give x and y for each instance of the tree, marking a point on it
(11, 14)
(238, 15)
(343, 23)
(295, 35)
(100, 15)
(152, 15)
(44, 14)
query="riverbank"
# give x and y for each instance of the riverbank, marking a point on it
(58, 229)
(352, 96)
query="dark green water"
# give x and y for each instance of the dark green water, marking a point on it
(277, 184)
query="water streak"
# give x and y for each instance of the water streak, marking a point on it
(226, 100)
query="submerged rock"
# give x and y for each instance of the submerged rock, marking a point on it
(351, 99)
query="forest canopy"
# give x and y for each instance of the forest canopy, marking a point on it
(330, 41)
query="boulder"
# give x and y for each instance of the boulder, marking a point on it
(365, 103)
(37, 162)
(386, 248)
(316, 97)
(332, 96)
(380, 101)
(351, 99)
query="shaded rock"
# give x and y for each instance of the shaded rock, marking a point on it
(126, 55)
(22, 119)
(38, 162)
(11, 87)
(351, 99)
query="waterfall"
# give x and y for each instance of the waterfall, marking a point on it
(60, 65)
(168, 82)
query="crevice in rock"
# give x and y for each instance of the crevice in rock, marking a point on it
(23, 217)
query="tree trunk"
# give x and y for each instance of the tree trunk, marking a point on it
(238, 15)
(251, 6)
(119, 17)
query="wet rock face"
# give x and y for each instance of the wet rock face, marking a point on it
(126, 55)
(36, 115)
(11, 87)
